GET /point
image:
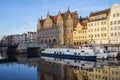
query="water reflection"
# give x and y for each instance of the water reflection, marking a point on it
(32, 67)
(84, 70)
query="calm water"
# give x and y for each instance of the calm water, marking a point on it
(32, 67)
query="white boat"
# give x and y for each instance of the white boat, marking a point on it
(69, 53)
(100, 53)
(112, 54)
(79, 53)
(109, 54)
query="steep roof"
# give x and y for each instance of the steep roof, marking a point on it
(42, 22)
(106, 11)
(54, 18)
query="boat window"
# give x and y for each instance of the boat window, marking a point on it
(82, 51)
(75, 53)
(68, 50)
(60, 52)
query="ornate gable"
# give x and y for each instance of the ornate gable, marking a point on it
(79, 26)
(48, 22)
(40, 24)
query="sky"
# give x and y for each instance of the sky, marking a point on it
(19, 16)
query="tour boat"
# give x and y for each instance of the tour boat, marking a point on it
(78, 53)
(69, 53)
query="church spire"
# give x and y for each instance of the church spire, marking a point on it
(41, 17)
(68, 9)
(48, 13)
(59, 12)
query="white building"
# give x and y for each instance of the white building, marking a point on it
(98, 27)
(114, 24)
(31, 37)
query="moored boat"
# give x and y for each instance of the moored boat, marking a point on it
(112, 54)
(109, 54)
(69, 53)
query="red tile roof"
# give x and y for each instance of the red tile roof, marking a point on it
(42, 22)
(54, 18)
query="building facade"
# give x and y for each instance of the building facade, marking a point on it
(19, 38)
(80, 32)
(98, 27)
(114, 24)
(58, 29)
(31, 37)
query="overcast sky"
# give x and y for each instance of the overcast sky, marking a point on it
(19, 16)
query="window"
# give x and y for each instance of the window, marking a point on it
(91, 30)
(115, 34)
(75, 53)
(111, 34)
(117, 14)
(98, 29)
(111, 23)
(118, 33)
(115, 28)
(82, 51)
(113, 15)
(101, 29)
(91, 24)
(111, 28)
(95, 35)
(115, 22)
(95, 29)
(101, 23)
(98, 35)
(118, 27)
(60, 52)
(97, 23)
(118, 21)
(104, 22)
(104, 28)
(105, 34)
(89, 36)
(101, 35)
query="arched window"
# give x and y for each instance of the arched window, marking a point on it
(54, 41)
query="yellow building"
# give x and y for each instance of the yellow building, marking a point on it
(80, 32)
(58, 29)
(98, 27)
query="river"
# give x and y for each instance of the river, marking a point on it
(33, 67)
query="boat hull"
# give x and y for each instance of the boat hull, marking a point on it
(112, 54)
(102, 56)
(67, 56)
